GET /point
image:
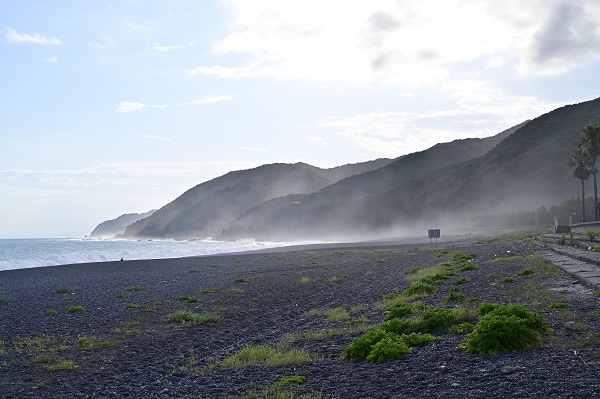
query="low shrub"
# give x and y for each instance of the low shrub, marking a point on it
(591, 234)
(389, 347)
(435, 320)
(419, 288)
(76, 309)
(399, 310)
(462, 328)
(506, 329)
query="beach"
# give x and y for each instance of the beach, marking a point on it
(108, 325)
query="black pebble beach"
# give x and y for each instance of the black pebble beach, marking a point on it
(261, 297)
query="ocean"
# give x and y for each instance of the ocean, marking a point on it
(26, 253)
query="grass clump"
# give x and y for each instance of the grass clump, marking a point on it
(62, 365)
(121, 296)
(305, 280)
(591, 234)
(190, 299)
(127, 329)
(559, 305)
(241, 280)
(338, 277)
(187, 316)
(51, 312)
(505, 329)
(288, 380)
(266, 356)
(332, 314)
(91, 343)
(134, 288)
(76, 309)
(210, 290)
(457, 297)
(62, 290)
(44, 358)
(399, 310)
(419, 289)
(434, 275)
(526, 272)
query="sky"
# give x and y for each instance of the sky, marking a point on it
(114, 107)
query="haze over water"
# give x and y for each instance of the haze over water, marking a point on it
(27, 253)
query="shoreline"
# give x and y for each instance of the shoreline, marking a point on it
(379, 243)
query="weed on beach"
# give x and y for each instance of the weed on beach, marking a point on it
(263, 356)
(62, 290)
(92, 343)
(134, 288)
(76, 309)
(62, 365)
(184, 316)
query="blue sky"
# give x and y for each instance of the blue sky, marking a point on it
(119, 107)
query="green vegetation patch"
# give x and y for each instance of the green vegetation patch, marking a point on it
(419, 289)
(457, 297)
(76, 309)
(505, 329)
(190, 299)
(62, 290)
(399, 310)
(92, 343)
(266, 356)
(289, 380)
(62, 365)
(332, 314)
(184, 316)
(526, 272)
(134, 288)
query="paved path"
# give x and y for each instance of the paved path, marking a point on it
(582, 264)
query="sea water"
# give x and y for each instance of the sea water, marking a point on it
(26, 253)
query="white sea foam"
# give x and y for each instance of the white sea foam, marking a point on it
(27, 253)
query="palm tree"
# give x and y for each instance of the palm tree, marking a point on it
(590, 136)
(582, 161)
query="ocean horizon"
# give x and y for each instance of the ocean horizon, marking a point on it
(23, 253)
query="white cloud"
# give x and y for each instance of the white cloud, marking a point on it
(157, 46)
(126, 106)
(13, 36)
(408, 42)
(52, 60)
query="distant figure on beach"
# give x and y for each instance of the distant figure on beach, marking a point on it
(121, 259)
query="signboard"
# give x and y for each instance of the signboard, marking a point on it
(434, 233)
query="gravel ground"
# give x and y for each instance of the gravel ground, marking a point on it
(261, 298)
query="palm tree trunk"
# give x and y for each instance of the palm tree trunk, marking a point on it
(583, 201)
(595, 195)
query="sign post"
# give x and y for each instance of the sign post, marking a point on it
(434, 233)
